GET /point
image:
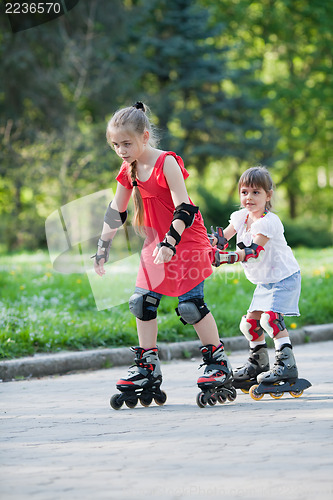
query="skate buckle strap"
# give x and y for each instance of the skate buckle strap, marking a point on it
(206, 355)
(213, 367)
(142, 364)
(211, 364)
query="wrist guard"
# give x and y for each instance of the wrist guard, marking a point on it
(105, 245)
(251, 252)
(164, 243)
(222, 242)
(225, 258)
(172, 232)
(113, 218)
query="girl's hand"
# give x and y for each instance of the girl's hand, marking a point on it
(217, 238)
(99, 268)
(102, 255)
(162, 255)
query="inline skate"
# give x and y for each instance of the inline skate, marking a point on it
(216, 383)
(283, 377)
(142, 383)
(246, 376)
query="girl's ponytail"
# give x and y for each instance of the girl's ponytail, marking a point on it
(138, 217)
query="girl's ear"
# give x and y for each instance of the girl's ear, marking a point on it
(269, 195)
(146, 136)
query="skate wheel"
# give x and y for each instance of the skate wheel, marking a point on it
(212, 401)
(131, 403)
(221, 399)
(114, 402)
(276, 396)
(146, 400)
(200, 401)
(245, 391)
(296, 394)
(231, 397)
(161, 398)
(254, 395)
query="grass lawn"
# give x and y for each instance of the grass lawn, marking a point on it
(44, 311)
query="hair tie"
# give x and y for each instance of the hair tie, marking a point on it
(139, 105)
(134, 183)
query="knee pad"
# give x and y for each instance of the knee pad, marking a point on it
(143, 307)
(248, 328)
(272, 322)
(192, 311)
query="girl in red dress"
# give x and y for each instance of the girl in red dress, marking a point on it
(176, 257)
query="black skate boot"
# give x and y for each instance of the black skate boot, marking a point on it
(143, 381)
(281, 378)
(216, 382)
(258, 362)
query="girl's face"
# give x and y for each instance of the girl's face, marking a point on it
(127, 145)
(254, 199)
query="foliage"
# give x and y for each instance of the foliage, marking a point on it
(308, 233)
(52, 127)
(204, 107)
(43, 311)
(230, 84)
(216, 213)
(290, 43)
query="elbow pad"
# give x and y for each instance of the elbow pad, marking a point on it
(113, 218)
(186, 213)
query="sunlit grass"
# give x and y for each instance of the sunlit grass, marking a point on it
(44, 311)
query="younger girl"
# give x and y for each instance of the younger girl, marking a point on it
(176, 256)
(269, 263)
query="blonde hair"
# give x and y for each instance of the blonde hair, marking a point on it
(135, 120)
(258, 177)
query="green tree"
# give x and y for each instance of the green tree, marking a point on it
(58, 83)
(204, 108)
(290, 44)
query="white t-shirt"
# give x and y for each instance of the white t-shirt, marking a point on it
(278, 261)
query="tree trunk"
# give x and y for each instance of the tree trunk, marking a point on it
(292, 204)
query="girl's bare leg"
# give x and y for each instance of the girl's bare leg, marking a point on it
(147, 333)
(207, 330)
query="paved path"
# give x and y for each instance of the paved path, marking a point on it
(61, 440)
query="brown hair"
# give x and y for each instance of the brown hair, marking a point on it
(134, 119)
(257, 177)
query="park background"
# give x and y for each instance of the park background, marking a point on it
(231, 84)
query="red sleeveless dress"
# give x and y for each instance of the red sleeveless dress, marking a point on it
(193, 260)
